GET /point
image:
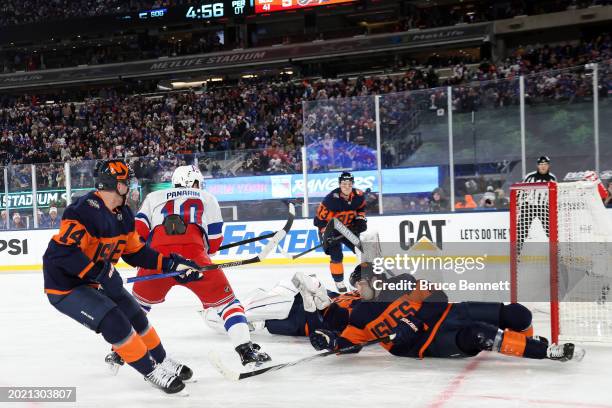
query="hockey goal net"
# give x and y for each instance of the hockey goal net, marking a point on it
(560, 241)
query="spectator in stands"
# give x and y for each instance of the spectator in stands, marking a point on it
(608, 199)
(438, 202)
(501, 201)
(41, 218)
(466, 203)
(371, 200)
(52, 221)
(488, 198)
(4, 220)
(18, 222)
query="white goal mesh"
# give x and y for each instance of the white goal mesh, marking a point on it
(561, 236)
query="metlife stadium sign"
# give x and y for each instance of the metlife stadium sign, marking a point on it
(395, 181)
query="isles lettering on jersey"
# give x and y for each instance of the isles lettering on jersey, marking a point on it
(89, 232)
(345, 209)
(391, 319)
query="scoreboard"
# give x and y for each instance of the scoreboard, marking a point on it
(222, 10)
(269, 6)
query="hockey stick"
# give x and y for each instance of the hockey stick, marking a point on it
(314, 248)
(276, 238)
(347, 233)
(234, 376)
(254, 239)
(331, 225)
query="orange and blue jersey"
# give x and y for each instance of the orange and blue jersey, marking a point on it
(89, 233)
(370, 320)
(344, 209)
(335, 316)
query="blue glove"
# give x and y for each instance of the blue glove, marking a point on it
(324, 340)
(110, 279)
(176, 263)
(408, 329)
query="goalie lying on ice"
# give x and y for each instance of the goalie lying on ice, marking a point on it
(294, 307)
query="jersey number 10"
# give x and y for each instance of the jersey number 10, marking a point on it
(191, 211)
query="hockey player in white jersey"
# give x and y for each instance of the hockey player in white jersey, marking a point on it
(187, 220)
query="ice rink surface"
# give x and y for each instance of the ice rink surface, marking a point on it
(41, 347)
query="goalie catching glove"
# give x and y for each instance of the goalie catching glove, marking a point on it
(176, 263)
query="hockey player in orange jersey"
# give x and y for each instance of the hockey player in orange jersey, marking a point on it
(82, 283)
(425, 324)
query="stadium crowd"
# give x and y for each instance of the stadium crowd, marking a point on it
(140, 47)
(255, 127)
(33, 11)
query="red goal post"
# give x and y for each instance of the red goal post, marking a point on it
(516, 241)
(561, 254)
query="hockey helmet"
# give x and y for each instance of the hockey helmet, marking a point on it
(346, 176)
(110, 172)
(186, 176)
(363, 271)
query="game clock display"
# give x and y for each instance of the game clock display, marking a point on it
(268, 6)
(209, 10)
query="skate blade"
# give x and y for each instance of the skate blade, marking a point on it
(256, 365)
(579, 354)
(181, 394)
(114, 368)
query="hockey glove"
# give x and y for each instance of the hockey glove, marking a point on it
(408, 330)
(110, 279)
(329, 237)
(176, 263)
(359, 225)
(324, 340)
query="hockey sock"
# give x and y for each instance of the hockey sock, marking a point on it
(117, 330)
(483, 336)
(149, 336)
(515, 317)
(152, 341)
(134, 352)
(519, 345)
(235, 322)
(337, 271)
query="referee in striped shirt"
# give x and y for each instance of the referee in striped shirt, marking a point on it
(542, 174)
(534, 204)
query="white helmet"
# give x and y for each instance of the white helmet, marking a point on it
(185, 176)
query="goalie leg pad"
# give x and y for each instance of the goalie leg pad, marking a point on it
(314, 294)
(273, 304)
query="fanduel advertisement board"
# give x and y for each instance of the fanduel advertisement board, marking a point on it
(395, 181)
(23, 250)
